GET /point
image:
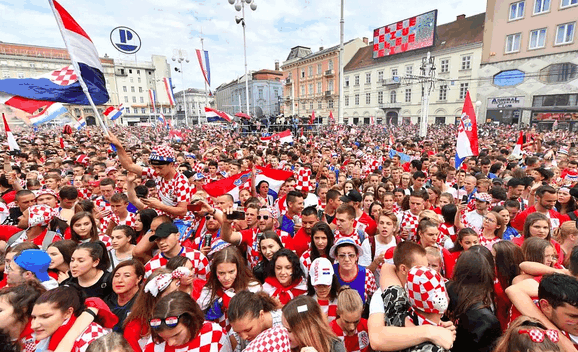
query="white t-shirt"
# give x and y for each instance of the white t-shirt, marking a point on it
(376, 305)
(365, 259)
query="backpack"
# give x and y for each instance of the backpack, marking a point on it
(48, 239)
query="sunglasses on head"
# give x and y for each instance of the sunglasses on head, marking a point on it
(264, 217)
(169, 322)
(209, 217)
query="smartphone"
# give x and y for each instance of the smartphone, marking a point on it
(465, 199)
(236, 215)
(195, 207)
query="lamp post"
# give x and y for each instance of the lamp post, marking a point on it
(240, 6)
(180, 55)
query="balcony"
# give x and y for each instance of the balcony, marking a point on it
(328, 93)
(329, 73)
(288, 81)
(288, 98)
(394, 81)
(396, 105)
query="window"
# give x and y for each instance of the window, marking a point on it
(319, 87)
(126, 99)
(513, 43)
(134, 99)
(463, 90)
(330, 104)
(367, 98)
(541, 6)
(138, 72)
(356, 99)
(131, 80)
(129, 71)
(311, 106)
(558, 73)
(302, 73)
(516, 10)
(346, 81)
(310, 69)
(132, 89)
(330, 64)
(555, 100)
(124, 89)
(537, 38)
(356, 80)
(409, 70)
(394, 72)
(32, 65)
(368, 78)
(138, 79)
(346, 100)
(330, 86)
(565, 33)
(4, 63)
(127, 109)
(141, 99)
(408, 95)
(140, 89)
(443, 92)
(302, 90)
(44, 65)
(20, 75)
(380, 97)
(393, 97)
(445, 65)
(5, 74)
(260, 93)
(310, 91)
(566, 3)
(380, 76)
(466, 62)
(319, 105)
(319, 69)
(143, 110)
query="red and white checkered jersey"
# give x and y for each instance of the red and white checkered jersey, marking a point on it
(275, 339)
(201, 266)
(177, 190)
(354, 235)
(93, 332)
(84, 193)
(102, 203)
(359, 342)
(328, 307)
(370, 285)
(487, 242)
(305, 261)
(410, 221)
(130, 220)
(211, 338)
(447, 229)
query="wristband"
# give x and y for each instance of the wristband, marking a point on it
(87, 310)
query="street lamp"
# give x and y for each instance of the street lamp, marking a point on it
(180, 55)
(240, 6)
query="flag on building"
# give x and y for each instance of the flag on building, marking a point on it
(372, 119)
(203, 57)
(114, 113)
(9, 136)
(517, 151)
(467, 141)
(283, 137)
(65, 85)
(331, 118)
(153, 100)
(53, 111)
(168, 83)
(312, 119)
(231, 185)
(214, 115)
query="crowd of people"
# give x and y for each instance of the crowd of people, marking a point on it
(350, 239)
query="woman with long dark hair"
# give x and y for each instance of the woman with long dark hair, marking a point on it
(538, 225)
(88, 267)
(321, 241)
(565, 203)
(60, 254)
(508, 258)
(269, 244)
(471, 291)
(143, 221)
(285, 279)
(323, 286)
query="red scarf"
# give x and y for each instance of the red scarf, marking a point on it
(285, 293)
(59, 334)
(226, 298)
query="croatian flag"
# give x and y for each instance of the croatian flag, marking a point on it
(232, 185)
(114, 113)
(63, 85)
(161, 119)
(243, 115)
(467, 141)
(216, 115)
(283, 137)
(79, 124)
(153, 99)
(9, 136)
(168, 83)
(331, 118)
(519, 145)
(203, 58)
(53, 111)
(312, 119)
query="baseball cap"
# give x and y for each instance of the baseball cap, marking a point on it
(351, 196)
(36, 261)
(498, 181)
(321, 272)
(483, 197)
(164, 230)
(345, 241)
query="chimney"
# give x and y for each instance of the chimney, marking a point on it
(366, 40)
(276, 65)
(461, 17)
(320, 48)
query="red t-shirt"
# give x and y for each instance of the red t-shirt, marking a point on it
(370, 225)
(300, 242)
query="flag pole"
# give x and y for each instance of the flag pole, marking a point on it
(77, 69)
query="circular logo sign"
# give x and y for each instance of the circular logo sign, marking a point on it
(125, 40)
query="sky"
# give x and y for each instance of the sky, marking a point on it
(165, 25)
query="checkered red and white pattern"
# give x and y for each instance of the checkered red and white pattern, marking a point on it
(211, 338)
(303, 180)
(177, 190)
(447, 229)
(130, 220)
(100, 202)
(42, 192)
(489, 243)
(198, 167)
(426, 290)
(41, 215)
(271, 340)
(329, 308)
(162, 153)
(201, 266)
(370, 285)
(359, 342)
(64, 77)
(82, 159)
(305, 261)
(106, 240)
(93, 332)
(409, 221)
(354, 235)
(84, 193)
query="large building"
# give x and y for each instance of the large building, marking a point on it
(383, 89)
(196, 102)
(312, 82)
(529, 68)
(265, 94)
(24, 61)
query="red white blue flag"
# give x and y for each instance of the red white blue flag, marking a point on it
(467, 141)
(153, 99)
(114, 113)
(214, 115)
(203, 57)
(9, 136)
(283, 137)
(168, 83)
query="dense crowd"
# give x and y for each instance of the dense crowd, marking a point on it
(350, 238)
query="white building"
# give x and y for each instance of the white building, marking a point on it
(377, 88)
(196, 102)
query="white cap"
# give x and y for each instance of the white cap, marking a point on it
(321, 272)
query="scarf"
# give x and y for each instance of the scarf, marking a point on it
(285, 294)
(59, 334)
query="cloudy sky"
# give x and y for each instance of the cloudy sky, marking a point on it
(164, 25)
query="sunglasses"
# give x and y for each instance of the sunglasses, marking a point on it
(209, 217)
(169, 322)
(264, 217)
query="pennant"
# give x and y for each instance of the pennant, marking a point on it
(114, 113)
(153, 100)
(283, 137)
(214, 115)
(168, 83)
(9, 136)
(467, 141)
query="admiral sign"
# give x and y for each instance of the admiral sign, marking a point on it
(505, 103)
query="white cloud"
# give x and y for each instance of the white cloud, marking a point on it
(272, 30)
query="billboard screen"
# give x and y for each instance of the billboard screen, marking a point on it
(413, 33)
